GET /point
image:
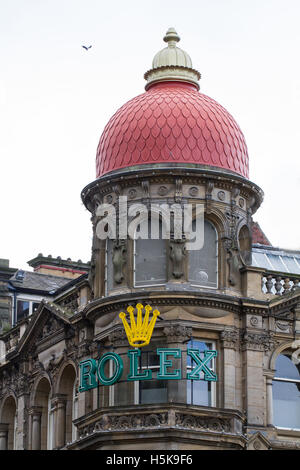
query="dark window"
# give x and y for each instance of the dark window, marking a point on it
(35, 306)
(152, 391)
(22, 309)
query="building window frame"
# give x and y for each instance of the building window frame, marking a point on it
(203, 286)
(213, 384)
(285, 380)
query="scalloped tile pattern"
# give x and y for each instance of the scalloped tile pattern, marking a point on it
(172, 122)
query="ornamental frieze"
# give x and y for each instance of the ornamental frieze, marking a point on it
(206, 423)
(257, 341)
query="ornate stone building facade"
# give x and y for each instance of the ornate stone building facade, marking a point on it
(170, 145)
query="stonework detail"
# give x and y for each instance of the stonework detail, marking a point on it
(177, 333)
(230, 338)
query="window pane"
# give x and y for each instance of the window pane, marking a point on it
(199, 392)
(202, 346)
(35, 306)
(150, 260)
(22, 309)
(286, 404)
(153, 391)
(203, 263)
(286, 369)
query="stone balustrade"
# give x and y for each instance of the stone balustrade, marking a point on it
(277, 283)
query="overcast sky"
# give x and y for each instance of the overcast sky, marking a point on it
(55, 99)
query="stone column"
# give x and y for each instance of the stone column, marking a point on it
(269, 384)
(3, 436)
(59, 405)
(36, 417)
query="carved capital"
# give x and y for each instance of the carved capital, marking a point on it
(257, 341)
(229, 338)
(177, 333)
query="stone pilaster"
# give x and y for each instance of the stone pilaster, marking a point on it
(229, 339)
(3, 436)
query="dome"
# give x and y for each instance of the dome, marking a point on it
(172, 123)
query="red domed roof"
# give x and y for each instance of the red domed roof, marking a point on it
(172, 123)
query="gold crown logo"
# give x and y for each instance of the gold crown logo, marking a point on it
(140, 331)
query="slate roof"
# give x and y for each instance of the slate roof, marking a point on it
(38, 281)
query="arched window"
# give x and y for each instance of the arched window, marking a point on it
(203, 263)
(286, 393)
(150, 263)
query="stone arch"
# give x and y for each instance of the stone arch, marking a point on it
(219, 220)
(42, 429)
(66, 397)
(9, 420)
(277, 351)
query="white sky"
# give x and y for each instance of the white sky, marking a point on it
(55, 99)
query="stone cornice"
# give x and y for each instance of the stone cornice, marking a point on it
(120, 302)
(165, 173)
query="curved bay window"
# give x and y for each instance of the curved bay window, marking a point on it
(286, 393)
(150, 261)
(203, 263)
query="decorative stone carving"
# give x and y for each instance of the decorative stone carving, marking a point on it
(132, 193)
(146, 189)
(257, 341)
(193, 191)
(206, 423)
(177, 254)
(221, 195)
(117, 189)
(119, 260)
(117, 422)
(241, 203)
(109, 199)
(178, 190)
(118, 338)
(229, 337)
(254, 321)
(233, 260)
(283, 326)
(177, 333)
(162, 190)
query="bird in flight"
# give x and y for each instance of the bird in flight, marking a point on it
(86, 47)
